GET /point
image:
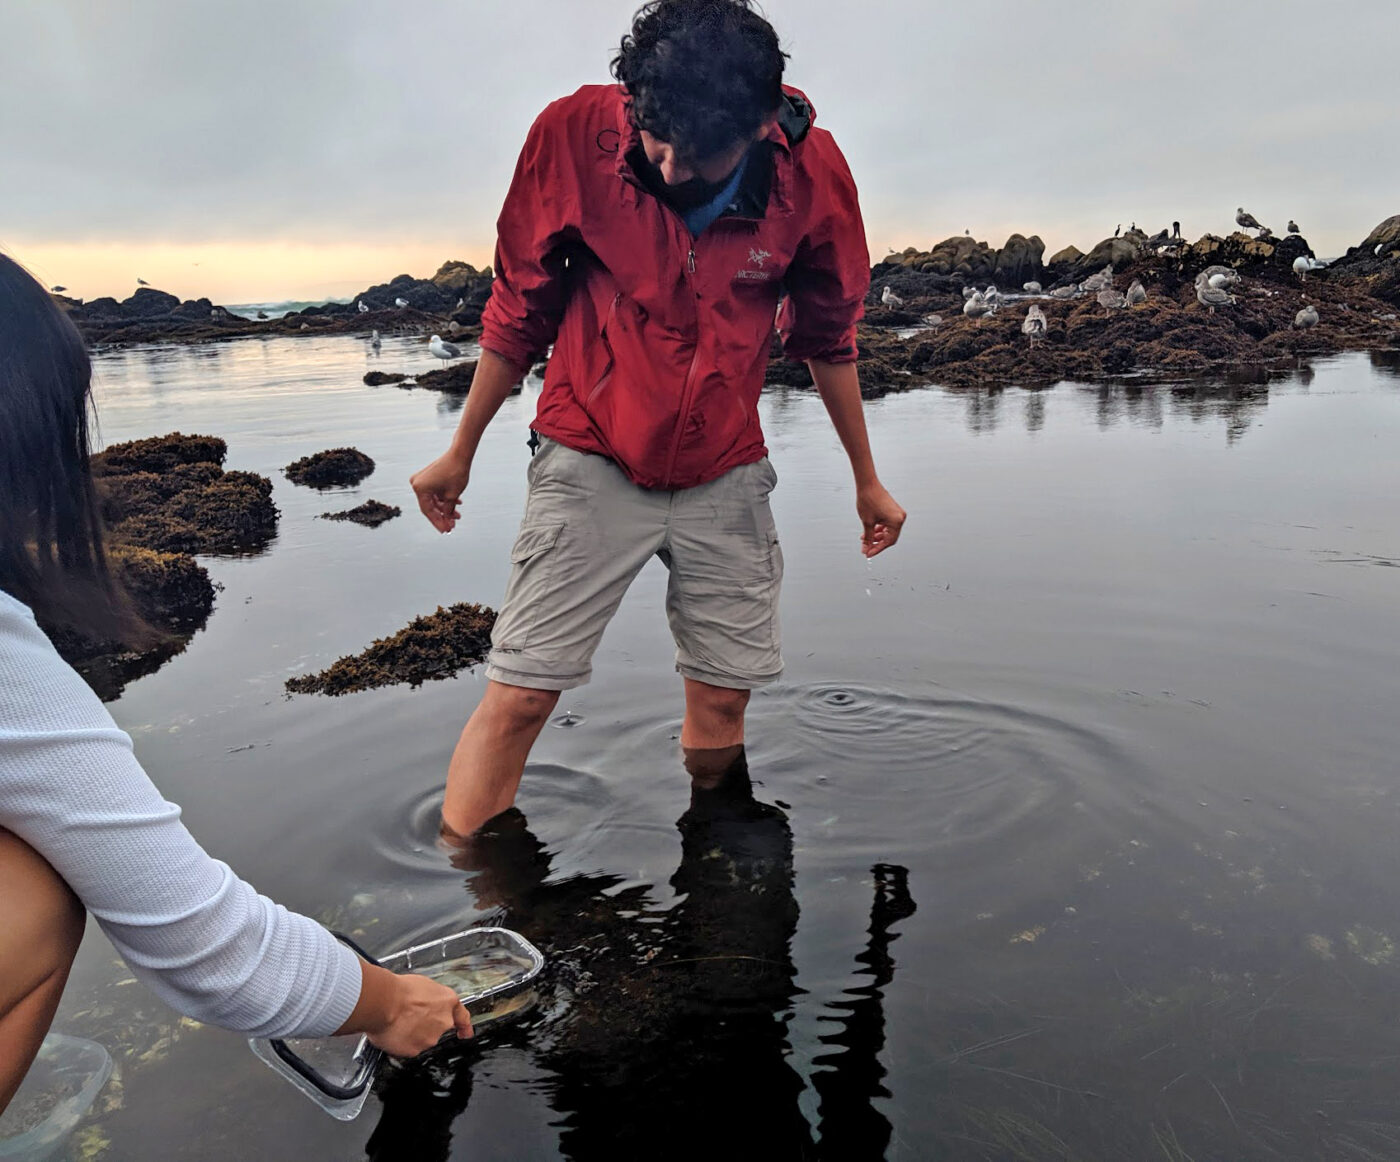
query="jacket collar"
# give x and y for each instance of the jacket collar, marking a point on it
(766, 190)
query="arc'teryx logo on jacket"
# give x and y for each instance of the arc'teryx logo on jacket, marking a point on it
(661, 340)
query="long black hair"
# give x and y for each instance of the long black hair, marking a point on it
(700, 75)
(51, 550)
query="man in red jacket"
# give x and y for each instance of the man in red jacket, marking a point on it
(649, 232)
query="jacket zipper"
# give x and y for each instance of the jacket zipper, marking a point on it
(688, 387)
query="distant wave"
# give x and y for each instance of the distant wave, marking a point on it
(278, 309)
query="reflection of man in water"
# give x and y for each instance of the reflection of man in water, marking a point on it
(674, 1040)
(649, 234)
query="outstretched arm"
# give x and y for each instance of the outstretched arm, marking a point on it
(440, 485)
(881, 517)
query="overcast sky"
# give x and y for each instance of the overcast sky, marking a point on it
(307, 148)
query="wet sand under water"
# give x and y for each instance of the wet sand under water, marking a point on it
(1070, 830)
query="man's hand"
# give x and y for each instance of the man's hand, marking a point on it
(439, 489)
(881, 517)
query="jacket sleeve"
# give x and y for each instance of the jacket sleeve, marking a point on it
(830, 272)
(537, 222)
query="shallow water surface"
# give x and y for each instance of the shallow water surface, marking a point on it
(1070, 830)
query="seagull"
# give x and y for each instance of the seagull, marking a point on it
(460, 304)
(891, 300)
(142, 282)
(442, 350)
(58, 290)
(992, 297)
(1304, 265)
(1212, 297)
(934, 321)
(1246, 221)
(1306, 318)
(1034, 325)
(1137, 293)
(976, 306)
(968, 292)
(1218, 277)
(1031, 288)
(1112, 300)
(360, 306)
(401, 303)
(1064, 292)
(1379, 247)
(1097, 282)
(1292, 226)
(306, 326)
(374, 339)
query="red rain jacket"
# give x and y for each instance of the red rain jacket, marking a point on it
(661, 340)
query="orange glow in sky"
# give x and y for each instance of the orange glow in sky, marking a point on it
(270, 270)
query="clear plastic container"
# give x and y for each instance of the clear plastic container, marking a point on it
(59, 1089)
(490, 968)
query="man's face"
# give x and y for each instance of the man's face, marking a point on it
(676, 171)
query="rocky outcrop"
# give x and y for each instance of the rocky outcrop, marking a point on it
(333, 468)
(1019, 261)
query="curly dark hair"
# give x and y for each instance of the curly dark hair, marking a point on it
(700, 75)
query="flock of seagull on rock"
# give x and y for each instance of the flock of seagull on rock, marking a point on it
(1214, 286)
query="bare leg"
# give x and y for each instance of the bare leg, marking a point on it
(490, 756)
(714, 716)
(41, 925)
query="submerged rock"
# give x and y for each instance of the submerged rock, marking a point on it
(335, 467)
(381, 378)
(371, 514)
(428, 649)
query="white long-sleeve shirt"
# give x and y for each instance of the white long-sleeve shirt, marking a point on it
(201, 938)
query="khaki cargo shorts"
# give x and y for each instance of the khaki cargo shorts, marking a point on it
(588, 531)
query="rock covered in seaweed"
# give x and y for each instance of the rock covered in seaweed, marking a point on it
(333, 468)
(164, 498)
(430, 648)
(371, 514)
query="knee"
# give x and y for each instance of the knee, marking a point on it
(518, 709)
(718, 702)
(44, 918)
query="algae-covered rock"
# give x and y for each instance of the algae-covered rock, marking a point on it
(335, 467)
(170, 590)
(428, 649)
(159, 454)
(371, 514)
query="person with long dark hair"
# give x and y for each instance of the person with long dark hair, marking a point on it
(82, 828)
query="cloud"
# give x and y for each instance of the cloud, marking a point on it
(329, 123)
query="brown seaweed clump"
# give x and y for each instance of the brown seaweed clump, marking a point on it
(163, 499)
(371, 514)
(171, 495)
(428, 649)
(381, 378)
(333, 468)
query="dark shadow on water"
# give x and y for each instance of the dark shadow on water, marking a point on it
(1386, 362)
(663, 1029)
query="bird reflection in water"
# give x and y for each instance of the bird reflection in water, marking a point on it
(665, 1028)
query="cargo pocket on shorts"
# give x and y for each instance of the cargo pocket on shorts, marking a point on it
(532, 569)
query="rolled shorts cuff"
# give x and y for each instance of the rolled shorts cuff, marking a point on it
(533, 674)
(728, 681)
